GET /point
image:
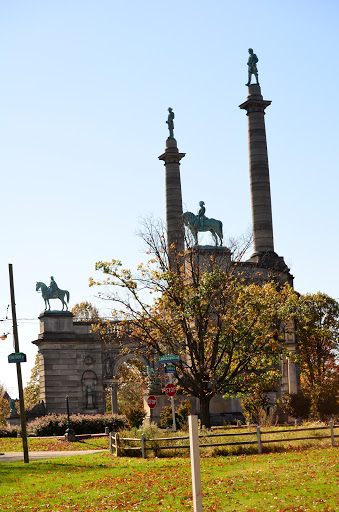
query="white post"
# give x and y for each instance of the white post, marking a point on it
(143, 442)
(174, 426)
(332, 432)
(116, 440)
(195, 462)
(259, 439)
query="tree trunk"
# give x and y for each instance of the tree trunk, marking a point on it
(205, 419)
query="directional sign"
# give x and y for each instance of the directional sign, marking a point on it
(171, 358)
(152, 401)
(170, 389)
(170, 368)
(17, 357)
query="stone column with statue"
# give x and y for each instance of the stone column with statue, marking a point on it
(174, 222)
(255, 107)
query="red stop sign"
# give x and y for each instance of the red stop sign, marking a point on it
(151, 401)
(170, 389)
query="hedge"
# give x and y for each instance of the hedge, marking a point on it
(56, 424)
(11, 431)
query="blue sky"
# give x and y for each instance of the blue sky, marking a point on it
(84, 92)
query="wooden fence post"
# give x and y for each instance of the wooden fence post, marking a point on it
(259, 439)
(195, 462)
(116, 439)
(143, 446)
(332, 432)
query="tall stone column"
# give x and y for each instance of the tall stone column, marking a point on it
(259, 174)
(174, 221)
(114, 397)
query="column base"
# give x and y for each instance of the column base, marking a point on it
(269, 259)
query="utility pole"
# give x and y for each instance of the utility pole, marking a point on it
(18, 368)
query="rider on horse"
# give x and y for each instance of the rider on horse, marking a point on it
(201, 214)
(53, 288)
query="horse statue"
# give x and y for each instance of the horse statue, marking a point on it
(194, 225)
(48, 294)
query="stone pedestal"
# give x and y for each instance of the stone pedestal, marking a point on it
(175, 227)
(205, 256)
(13, 419)
(70, 364)
(70, 435)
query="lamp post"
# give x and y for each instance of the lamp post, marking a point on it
(69, 434)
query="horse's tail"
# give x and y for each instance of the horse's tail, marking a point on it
(222, 235)
(67, 295)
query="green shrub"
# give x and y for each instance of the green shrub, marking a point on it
(253, 407)
(297, 405)
(325, 401)
(56, 424)
(181, 415)
(135, 415)
(11, 431)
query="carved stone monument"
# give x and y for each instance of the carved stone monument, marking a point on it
(74, 361)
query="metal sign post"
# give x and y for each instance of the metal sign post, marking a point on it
(174, 426)
(170, 369)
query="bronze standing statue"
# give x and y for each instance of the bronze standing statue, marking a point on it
(252, 66)
(170, 123)
(201, 214)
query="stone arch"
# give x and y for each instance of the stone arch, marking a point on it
(113, 383)
(127, 357)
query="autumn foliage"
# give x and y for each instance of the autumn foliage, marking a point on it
(226, 331)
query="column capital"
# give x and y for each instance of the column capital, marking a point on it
(255, 101)
(171, 155)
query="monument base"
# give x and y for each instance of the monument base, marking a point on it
(269, 259)
(207, 255)
(13, 420)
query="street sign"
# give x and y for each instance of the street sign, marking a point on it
(171, 358)
(170, 389)
(17, 357)
(151, 401)
(170, 368)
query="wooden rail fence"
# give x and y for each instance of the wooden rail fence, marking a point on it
(115, 441)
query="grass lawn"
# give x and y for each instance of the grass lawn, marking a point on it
(294, 481)
(10, 444)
